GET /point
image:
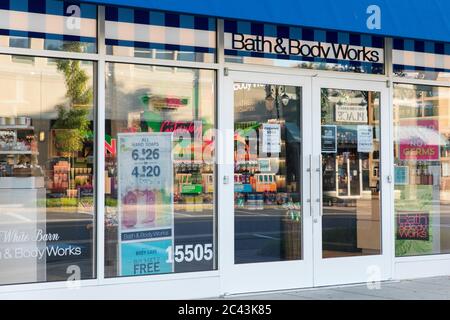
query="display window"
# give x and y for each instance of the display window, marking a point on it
(47, 207)
(159, 35)
(422, 185)
(422, 60)
(48, 25)
(295, 47)
(159, 170)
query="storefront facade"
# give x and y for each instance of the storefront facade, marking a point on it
(165, 151)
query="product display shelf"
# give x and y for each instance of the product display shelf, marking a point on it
(424, 108)
(13, 152)
(16, 130)
(16, 127)
(192, 186)
(14, 149)
(22, 197)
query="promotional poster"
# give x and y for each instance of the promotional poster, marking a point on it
(145, 203)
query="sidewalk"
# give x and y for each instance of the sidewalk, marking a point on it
(418, 289)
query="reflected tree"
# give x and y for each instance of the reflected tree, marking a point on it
(72, 124)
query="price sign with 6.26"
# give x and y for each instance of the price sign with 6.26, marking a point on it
(145, 202)
(145, 159)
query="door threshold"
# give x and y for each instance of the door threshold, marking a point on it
(232, 295)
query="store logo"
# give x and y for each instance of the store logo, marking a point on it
(413, 226)
(294, 47)
(374, 19)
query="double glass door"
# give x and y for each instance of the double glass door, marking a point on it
(301, 183)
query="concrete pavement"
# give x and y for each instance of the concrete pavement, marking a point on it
(417, 289)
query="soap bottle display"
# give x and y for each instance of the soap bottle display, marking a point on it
(129, 210)
(147, 212)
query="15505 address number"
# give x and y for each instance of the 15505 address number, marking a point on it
(190, 253)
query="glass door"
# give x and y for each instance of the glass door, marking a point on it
(351, 218)
(265, 207)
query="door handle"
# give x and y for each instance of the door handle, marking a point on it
(310, 185)
(389, 179)
(319, 199)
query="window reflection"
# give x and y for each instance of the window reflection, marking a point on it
(351, 222)
(152, 101)
(422, 189)
(267, 166)
(47, 216)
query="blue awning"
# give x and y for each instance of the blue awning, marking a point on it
(417, 19)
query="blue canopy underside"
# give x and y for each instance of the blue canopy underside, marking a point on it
(416, 19)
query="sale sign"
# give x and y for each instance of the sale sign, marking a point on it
(142, 258)
(413, 226)
(145, 202)
(419, 141)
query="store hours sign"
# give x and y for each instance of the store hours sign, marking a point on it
(146, 219)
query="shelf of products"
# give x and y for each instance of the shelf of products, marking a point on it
(194, 185)
(18, 149)
(68, 181)
(16, 127)
(19, 153)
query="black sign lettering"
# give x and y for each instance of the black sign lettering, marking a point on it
(295, 47)
(238, 41)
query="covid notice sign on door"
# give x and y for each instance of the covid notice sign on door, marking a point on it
(145, 192)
